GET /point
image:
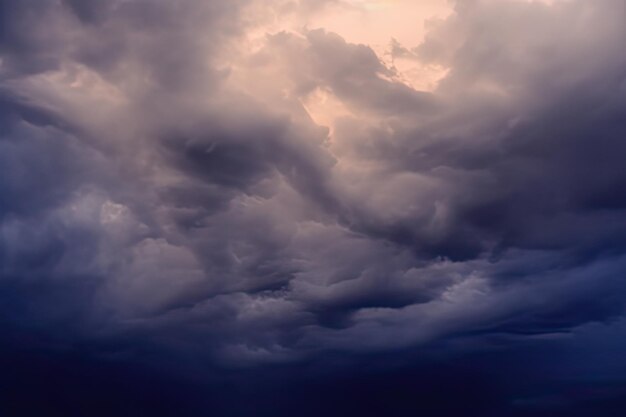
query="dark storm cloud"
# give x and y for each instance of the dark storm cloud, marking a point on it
(353, 72)
(153, 201)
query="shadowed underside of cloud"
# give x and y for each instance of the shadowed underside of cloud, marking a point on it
(164, 187)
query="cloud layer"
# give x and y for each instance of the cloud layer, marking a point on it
(175, 178)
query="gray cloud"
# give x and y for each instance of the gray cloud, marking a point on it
(148, 194)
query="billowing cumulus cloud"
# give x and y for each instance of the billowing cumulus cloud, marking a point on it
(242, 184)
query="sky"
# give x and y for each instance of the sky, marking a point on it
(312, 208)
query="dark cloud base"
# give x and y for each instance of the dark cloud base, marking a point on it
(526, 382)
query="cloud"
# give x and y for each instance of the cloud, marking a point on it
(164, 183)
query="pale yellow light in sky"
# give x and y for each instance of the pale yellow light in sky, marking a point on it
(375, 22)
(371, 22)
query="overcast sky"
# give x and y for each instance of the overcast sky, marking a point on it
(313, 208)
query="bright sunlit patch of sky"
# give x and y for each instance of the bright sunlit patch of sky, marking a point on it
(375, 23)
